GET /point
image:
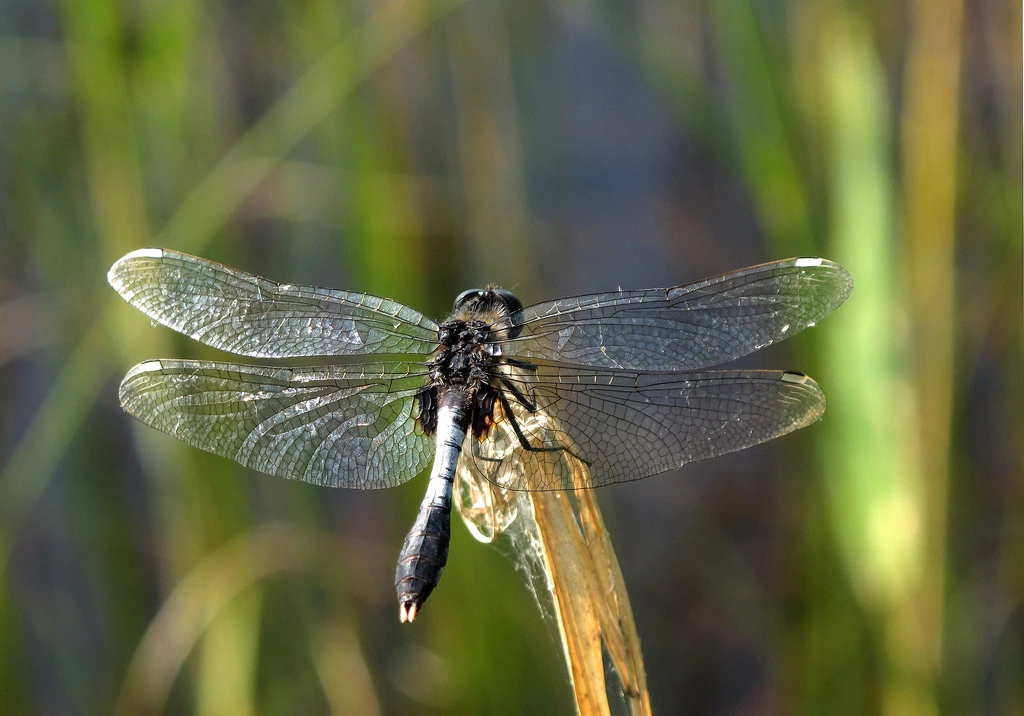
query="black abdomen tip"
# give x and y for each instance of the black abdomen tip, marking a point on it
(422, 559)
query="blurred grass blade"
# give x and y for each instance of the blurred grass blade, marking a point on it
(197, 600)
(49, 434)
(228, 657)
(312, 98)
(343, 671)
(930, 155)
(872, 446)
(765, 146)
(878, 488)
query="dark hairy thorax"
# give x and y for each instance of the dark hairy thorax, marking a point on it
(468, 350)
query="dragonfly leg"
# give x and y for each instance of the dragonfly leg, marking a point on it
(530, 405)
(523, 441)
(524, 364)
(480, 456)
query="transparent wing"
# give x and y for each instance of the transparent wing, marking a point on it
(248, 315)
(626, 426)
(335, 426)
(486, 509)
(689, 327)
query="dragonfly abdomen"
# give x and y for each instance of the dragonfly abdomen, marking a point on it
(422, 559)
(425, 551)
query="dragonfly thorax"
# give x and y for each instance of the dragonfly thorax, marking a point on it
(464, 349)
(463, 365)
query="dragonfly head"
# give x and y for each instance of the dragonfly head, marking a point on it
(491, 304)
(485, 298)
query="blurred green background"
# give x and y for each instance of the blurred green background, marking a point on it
(872, 563)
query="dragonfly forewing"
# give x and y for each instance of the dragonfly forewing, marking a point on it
(689, 327)
(252, 316)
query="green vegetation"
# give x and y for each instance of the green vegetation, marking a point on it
(415, 148)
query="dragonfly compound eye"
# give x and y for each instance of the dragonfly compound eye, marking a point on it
(512, 306)
(511, 301)
(466, 296)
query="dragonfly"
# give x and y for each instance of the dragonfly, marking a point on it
(569, 394)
